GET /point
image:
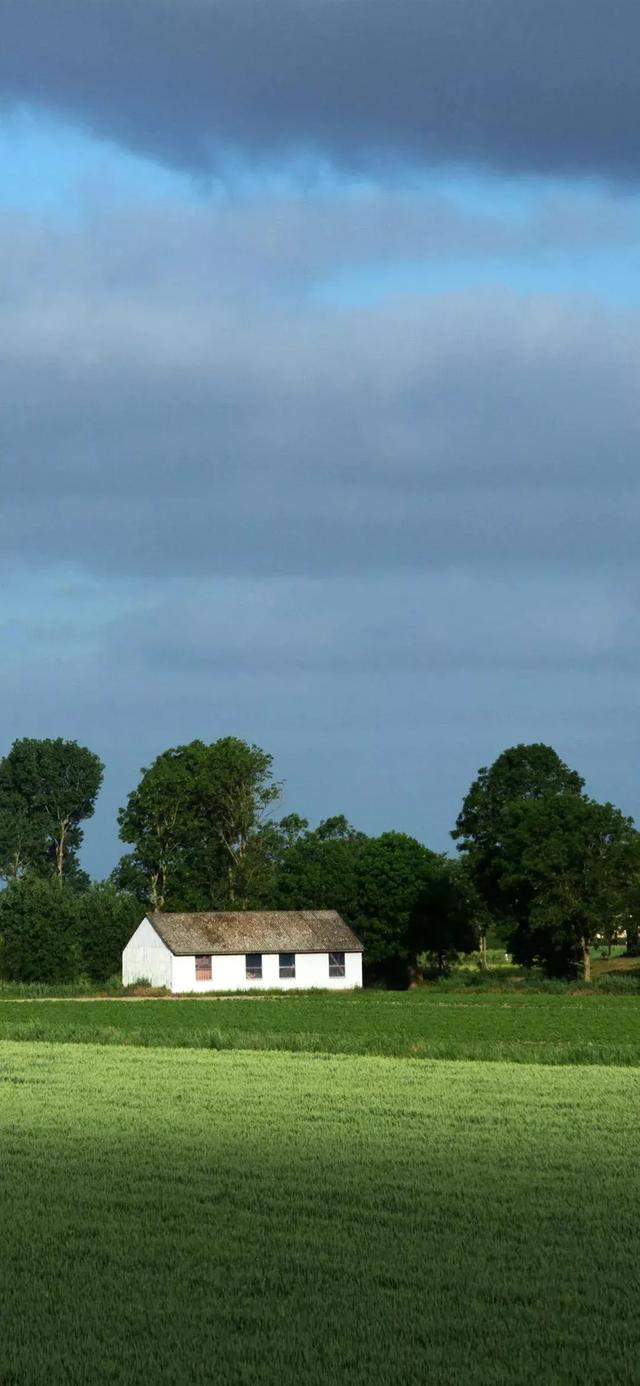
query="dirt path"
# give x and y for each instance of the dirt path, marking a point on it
(174, 996)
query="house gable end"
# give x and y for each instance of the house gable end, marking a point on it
(147, 936)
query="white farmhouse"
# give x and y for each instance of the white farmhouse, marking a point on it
(243, 951)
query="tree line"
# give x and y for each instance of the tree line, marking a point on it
(539, 866)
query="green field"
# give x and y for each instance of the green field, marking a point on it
(173, 1216)
(527, 1027)
(175, 1208)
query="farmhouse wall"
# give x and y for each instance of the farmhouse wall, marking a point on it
(146, 956)
(228, 973)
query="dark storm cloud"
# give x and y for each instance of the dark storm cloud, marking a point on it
(169, 421)
(542, 86)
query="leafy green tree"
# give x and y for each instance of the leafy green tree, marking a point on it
(373, 882)
(103, 920)
(392, 870)
(23, 843)
(444, 920)
(290, 830)
(563, 862)
(338, 829)
(50, 933)
(627, 918)
(160, 820)
(47, 789)
(235, 791)
(38, 937)
(320, 871)
(520, 774)
(197, 824)
(270, 844)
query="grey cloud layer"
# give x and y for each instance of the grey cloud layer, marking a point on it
(379, 697)
(542, 86)
(446, 621)
(159, 416)
(383, 542)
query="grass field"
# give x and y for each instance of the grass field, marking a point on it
(547, 1028)
(176, 1217)
(351, 1207)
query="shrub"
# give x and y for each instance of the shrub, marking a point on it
(53, 935)
(39, 941)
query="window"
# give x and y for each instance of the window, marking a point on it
(287, 964)
(336, 964)
(254, 967)
(203, 967)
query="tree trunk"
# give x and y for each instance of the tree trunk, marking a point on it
(158, 888)
(483, 951)
(586, 960)
(632, 938)
(413, 974)
(60, 852)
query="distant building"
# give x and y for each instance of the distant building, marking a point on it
(243, 951)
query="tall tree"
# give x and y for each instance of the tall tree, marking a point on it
(160, 820)
(103, 922)
(373, 882)
(338, 829)
(235, 791)
(444, 920)
(53, 935)
(320, 871)
(198, 826)
(38, 941)
(520, 774)
(628, 916)
(47, 790)
(23, 843)
(393, 871)
(564, 863)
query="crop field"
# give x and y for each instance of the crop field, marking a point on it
(178, 1208)
(542, 1028)
(180, 1216)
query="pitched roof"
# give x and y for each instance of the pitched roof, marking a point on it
(254, 931)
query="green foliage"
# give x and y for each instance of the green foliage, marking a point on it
(320, 871)
(104, 920)
(562, 863)
(38, 941)
(289, 831)
(545, 870)
(197, 826)
(23, 842)
(160, 820)
(235, 790)
(52, 934)
(393, 871)
(373, 882)
(520, 774)
(37, 991)
(627, 915)
(47, 789)
(339, 829)
(444, 919)
(553, 868)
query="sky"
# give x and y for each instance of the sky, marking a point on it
(319, 396)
